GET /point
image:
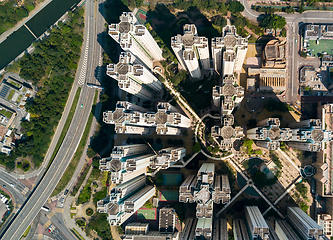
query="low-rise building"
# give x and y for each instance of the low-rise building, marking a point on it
(270, 79)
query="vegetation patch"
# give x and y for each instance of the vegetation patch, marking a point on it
(10, 13)
(7, 114)
(25, 234)
(89, 212)
(60, 51)
(80, 180)
(80, 222)
(67, 124)
(100, 224)
(85, 194)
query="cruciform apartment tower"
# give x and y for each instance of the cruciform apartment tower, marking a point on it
(129, 161)
(133, 77)
(228, 51)
(191, 50)
(134, 37)
(131, 119)
(307, 135)
(205, 189)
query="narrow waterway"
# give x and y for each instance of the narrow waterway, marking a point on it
(20, 40)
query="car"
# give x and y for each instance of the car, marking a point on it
(295, 40)
(82, 105)
(262, 97)
(284, 96)
(66, 191)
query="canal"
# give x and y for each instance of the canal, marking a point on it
(20, 40)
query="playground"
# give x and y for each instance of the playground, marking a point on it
(168, 195)
(146, 214)
(172, 179)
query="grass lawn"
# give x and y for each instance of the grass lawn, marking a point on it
(85, 194)
(19, 99)
(7, 114)
(148, 214)
(11, 93)
(324, 45)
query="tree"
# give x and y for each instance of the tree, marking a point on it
(303, 54)
(259, 179)
(235, 7)
(288, 9)
(196, 147)
(272, 21)
(219, 21)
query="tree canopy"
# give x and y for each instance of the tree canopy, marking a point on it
(272, 21)
(235, 6)
(52, 68)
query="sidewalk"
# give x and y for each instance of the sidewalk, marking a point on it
(70, 222)
(18, 25)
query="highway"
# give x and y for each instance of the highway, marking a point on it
(48, 183)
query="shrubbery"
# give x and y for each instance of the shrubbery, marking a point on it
(60, 53)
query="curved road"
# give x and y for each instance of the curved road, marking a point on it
(49, 181)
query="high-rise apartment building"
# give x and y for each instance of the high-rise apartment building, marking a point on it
(256, 222)
(129, 161)
(239, 230)
(228, 51)
(220, 229)
(309, 136)
(227, 134)
(229, 94)
(191, 50)
(167, 157)
(127, 120)
(134, 37)
(125, 199)
(167, 220)
(133, 77)
(203, 229)
(205, 189)
(284, 231)
(304, 224)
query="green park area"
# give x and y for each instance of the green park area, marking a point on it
(148, 214)
(7, 114)
(325, 45)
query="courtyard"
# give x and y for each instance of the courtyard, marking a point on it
(325, 45)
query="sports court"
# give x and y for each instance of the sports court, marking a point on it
(168, 195)
(146, 214)
(172, 179)
(325, 45)
(141, 16)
